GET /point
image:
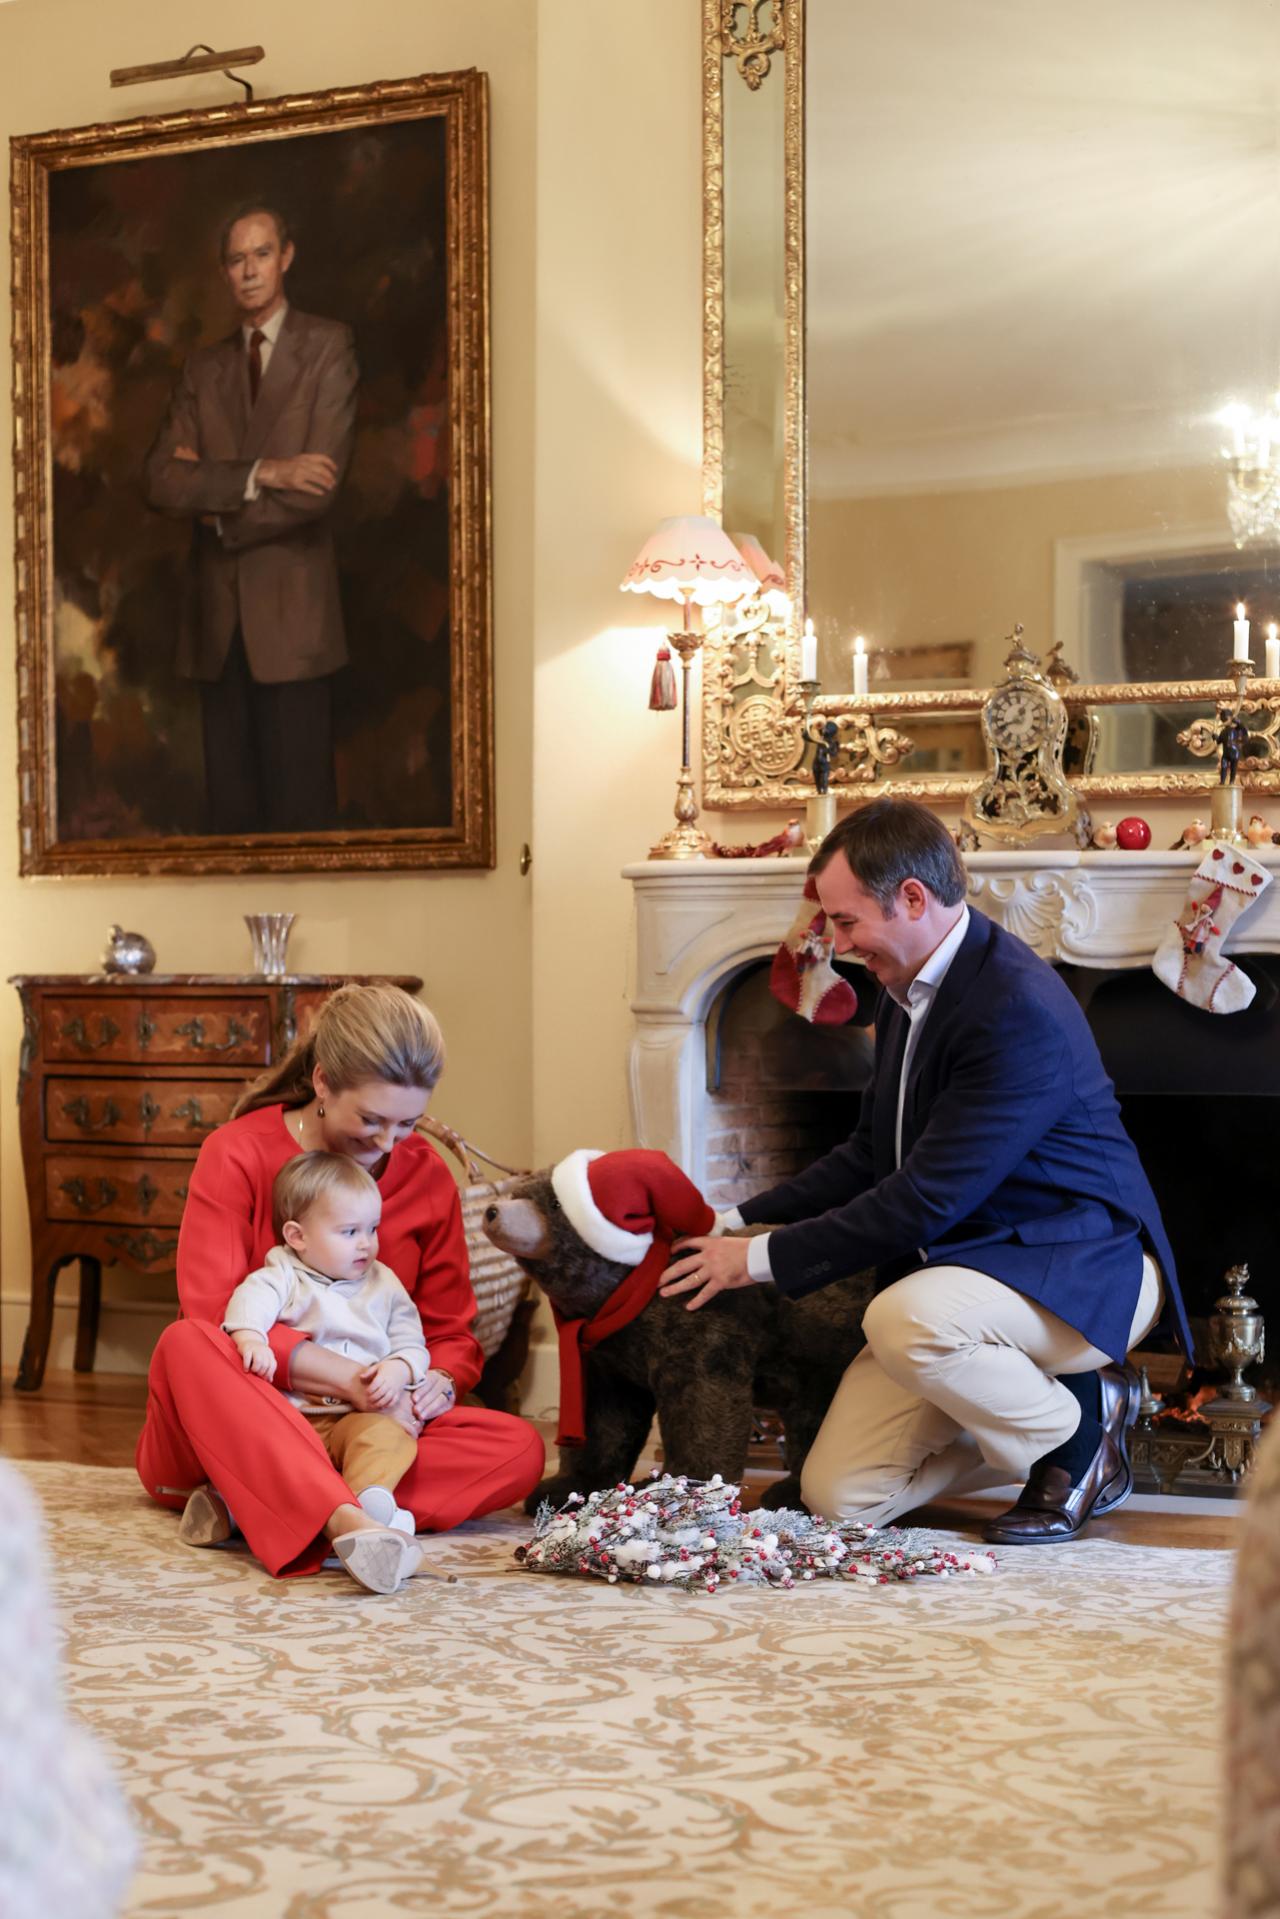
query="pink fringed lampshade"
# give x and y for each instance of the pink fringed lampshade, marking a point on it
(770, 579)
(690, 558)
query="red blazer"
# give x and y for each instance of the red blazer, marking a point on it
(226, 1232)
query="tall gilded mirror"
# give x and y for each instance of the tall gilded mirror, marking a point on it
(984, 284)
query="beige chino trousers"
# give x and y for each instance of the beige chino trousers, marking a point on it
(368, 1449)
(954, 1391)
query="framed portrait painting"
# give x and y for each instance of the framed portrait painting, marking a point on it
(251, 385)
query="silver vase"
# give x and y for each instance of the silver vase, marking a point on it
(270, 935)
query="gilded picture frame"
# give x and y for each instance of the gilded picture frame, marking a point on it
(165, 590)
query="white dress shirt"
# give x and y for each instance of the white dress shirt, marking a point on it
(917, 1005)
(270, 331)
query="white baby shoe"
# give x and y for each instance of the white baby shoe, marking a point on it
(381, 1507)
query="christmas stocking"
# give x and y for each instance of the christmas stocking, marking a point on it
(1189, 958)
(802, 975)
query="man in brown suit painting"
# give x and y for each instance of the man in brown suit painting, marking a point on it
(252, 450)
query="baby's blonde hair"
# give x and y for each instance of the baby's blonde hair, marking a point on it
(307, 1177)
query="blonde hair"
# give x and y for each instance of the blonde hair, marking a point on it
(362, 1033)
(307, 1177)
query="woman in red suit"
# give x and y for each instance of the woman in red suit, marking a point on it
(358, 1085)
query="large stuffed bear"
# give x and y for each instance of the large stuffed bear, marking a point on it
(596, 1232)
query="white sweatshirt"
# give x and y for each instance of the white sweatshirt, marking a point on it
(364, 1319)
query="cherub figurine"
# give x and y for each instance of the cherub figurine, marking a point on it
(1233, 740)
(823, 753)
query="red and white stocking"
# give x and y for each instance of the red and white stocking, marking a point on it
(1189, 958)
(802, 975)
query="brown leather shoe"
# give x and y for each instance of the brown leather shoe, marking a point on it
(1050, 1507)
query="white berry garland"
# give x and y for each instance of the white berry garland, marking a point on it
(692, 1535)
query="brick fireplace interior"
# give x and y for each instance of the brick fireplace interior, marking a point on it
(1197, 1092)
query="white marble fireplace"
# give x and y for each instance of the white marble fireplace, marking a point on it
(700, 923)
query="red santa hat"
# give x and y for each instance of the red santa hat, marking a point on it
(621, 1203)
(628, 1207)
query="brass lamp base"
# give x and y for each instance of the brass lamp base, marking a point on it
(1226, 813)
(684, 842)
(820, 817)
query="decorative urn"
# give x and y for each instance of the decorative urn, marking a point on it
(1237, 1335)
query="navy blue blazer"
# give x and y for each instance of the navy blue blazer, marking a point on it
(1014, 1158)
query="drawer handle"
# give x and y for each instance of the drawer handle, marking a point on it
(193, 1029)
(149, 1110)
(77, 1192)
(180, 1192)
(74, 1030)
(192, 1111)
(78, 1110)
(146, 1248)
(146, 1030)
(148, 1194)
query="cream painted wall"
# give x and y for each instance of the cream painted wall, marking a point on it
(467, 935)
(618, 445)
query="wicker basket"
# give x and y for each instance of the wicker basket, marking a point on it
(498, 1283)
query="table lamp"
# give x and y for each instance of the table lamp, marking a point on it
(771, 583)
(690, 559)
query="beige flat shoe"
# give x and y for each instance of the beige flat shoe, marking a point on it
(206, 1520)
(378, 1557)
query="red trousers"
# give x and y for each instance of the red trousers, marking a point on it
(207, 1419)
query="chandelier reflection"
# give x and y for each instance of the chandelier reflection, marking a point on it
(1253, 472)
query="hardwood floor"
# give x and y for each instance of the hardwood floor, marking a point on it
(93, 1419)
(89, 1419)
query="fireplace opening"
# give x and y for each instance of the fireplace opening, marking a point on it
(780, 1091)
(1198, 1094)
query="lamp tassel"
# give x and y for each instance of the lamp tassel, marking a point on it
(662, 687)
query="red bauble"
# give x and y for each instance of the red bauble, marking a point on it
(1133, 834)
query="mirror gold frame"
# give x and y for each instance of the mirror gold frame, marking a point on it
(758, 718)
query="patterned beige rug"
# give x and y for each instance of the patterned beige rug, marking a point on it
(1037, 1743)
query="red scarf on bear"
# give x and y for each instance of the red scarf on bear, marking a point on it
(578, 1336)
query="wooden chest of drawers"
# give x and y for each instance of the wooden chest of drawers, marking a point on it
(120, 1079)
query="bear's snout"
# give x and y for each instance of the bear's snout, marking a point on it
(517, 1226)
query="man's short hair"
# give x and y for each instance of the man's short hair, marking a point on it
(307, 1177)
(889, 841)
(245, 211)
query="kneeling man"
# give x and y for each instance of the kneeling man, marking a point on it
(1019, 1247)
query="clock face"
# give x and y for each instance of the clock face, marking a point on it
(1017, 719)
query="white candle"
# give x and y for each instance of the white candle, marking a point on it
(860, 667)
(808, 652)
(1273, 652)
(1240, 648)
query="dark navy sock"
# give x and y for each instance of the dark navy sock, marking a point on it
(1074, 1455)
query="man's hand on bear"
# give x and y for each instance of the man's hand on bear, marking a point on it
(713, 1264)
